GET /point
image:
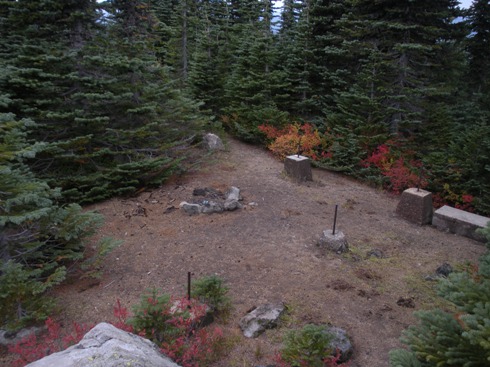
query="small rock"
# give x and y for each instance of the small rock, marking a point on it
(261, 318)
(406, 302)
(213, 142)
(210, 207)
(377, 253)
(444, 270)
(191, 209)
(232, 205)
(199, 192)
(233, 194)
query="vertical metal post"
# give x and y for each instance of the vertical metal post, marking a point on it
(188, 285)
(335, 219)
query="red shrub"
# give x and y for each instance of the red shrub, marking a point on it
(53, 340)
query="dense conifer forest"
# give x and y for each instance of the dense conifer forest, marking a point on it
(99, 99)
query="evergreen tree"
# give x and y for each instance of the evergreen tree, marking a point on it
(458, 339)
(98, 94)
(38, 238)
(478, 46)
(398, 43)
(251, 85)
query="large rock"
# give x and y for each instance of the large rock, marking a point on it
(213, 142)
(263, 317)
(107, 346)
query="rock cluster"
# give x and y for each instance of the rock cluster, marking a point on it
(212, 201)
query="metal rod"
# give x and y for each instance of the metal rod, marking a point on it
(335, 219)
(188, 285)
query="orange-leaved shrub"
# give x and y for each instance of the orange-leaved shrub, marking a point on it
(292, 139)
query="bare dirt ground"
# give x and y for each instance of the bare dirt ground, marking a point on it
(267, 252)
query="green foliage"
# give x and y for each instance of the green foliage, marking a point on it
(460, 339)
(21, 291)
(152, 314)
(38, 237)
(212, 291)
(309, 346)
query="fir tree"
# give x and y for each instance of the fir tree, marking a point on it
(38, 238)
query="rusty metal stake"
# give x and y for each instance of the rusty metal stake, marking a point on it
(335, 219)
(189, 286)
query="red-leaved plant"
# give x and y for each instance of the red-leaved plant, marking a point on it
(55, 339)
(180, 338)
(397, 169)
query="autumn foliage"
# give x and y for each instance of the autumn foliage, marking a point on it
(292, 139)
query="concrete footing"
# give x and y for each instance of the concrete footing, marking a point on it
(334, 242)
(298, 167)
(415, 206)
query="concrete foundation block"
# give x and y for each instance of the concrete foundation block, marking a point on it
(415, 206)
(334, 242)
(459, 222)
(298, 167)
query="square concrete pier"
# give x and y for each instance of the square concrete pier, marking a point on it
(298, 167)
(415, 206)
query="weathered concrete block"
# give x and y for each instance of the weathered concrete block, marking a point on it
(459, 222)
(415, 206)
(298, 167)
(334, 242)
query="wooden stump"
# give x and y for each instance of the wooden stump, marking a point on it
(415, 206)
(298, 167)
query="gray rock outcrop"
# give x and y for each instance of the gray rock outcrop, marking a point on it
(263, 317)
(107, 346)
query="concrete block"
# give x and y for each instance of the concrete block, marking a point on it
(298, 167)
(459, 222)
(415, 206)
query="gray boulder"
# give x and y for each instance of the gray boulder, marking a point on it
(262, 318)
(340, 343)
(213, 142)
(107, 346)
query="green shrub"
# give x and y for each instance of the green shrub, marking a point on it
(309, 346)
(212, 291)
(151, 316)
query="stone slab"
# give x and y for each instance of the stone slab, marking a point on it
(415, 206)
(298, 167)
(460, 222)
